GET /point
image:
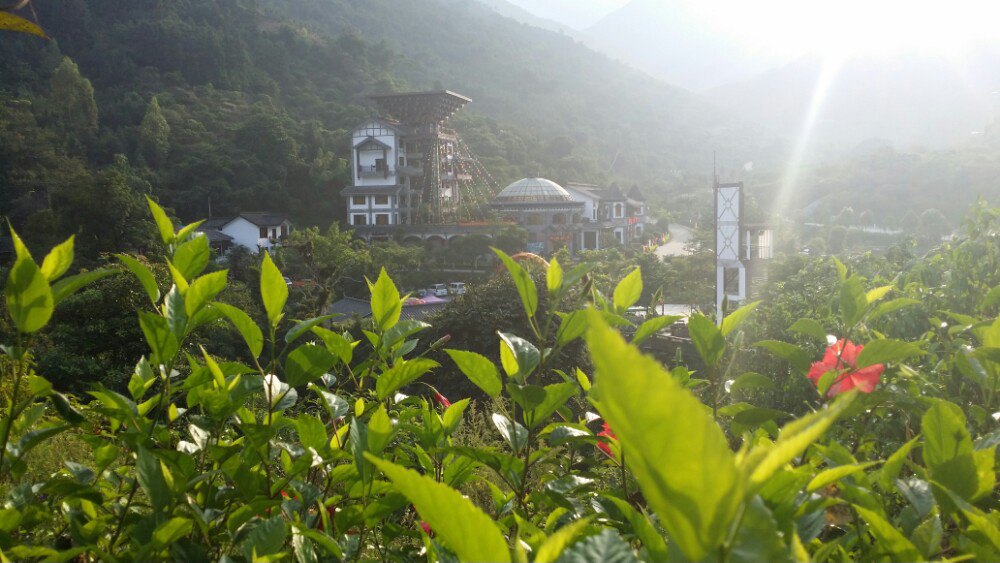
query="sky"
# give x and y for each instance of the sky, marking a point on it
(789, 28)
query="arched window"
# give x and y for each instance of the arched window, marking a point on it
(618, 210)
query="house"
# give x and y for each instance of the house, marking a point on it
(251, 230)
(609, 216)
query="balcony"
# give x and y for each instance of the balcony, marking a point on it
(374, 171)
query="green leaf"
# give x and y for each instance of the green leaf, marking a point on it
(273, 290)
(878, 293)
(628, 291)
(522, 281)
(305, 326)
(809, 327)
(890, 470)
(708, 339)
(341, 347)
(643, 529)
(679, 456)
(192, 257)
(171, 531)
(402, 374)
(758, 537)
(142, 273)
(945, 434)
(307, 363)
(189, 229)
(452, 417)
(203, 290)
(248, 329)
(160, 338)
(266, 539)
(737, 318)
(554, 277)
(852, 301)
(894, 305)
(555, 397)
(523, 353)
(58, 260)
(10, 22)
(479, 369)
(29, 298)
(163, 223)
(751, 380)
(469, 532)
(764, 460)
(885, 350)
(841, 269)
(513, 433)
(791, 353)
(70, 285)
(650, 327)
(65, 409)
(606, 547)
(553, 546)
(571, 327)
(150, 475)
(312, 432)
(834, 474)
(890, 538)
(386, 303)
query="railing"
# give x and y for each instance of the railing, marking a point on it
(374, 171)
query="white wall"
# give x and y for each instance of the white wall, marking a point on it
(245, 234)
(588, 201)
(384, 134)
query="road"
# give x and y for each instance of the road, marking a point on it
(679, 236)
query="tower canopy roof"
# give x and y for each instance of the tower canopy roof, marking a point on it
(420, 108)
(533, 190)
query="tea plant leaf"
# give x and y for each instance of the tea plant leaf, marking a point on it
(764, 461)
(554, 277)
(892, 466)
(203, 290)
(29, 298)
(834, 474)
(522, 357)
(628, 291)
(273, 290)
(307, 363)
(58, 260)
(553, 546)
(885, 350)
(248, 329)
(71, 284)
(852, 301)
(402, 374)
(809, 327)
(522, 281)
(791, 353)
(192, 257)
(513, 433)
(894, 542)
(163, 223)
(479, 369)
(606, 547)
(738, 317)
(643, 529)
(462, 526)
(751, 380)
(708, 339)
(10, 22)
(651, 327)
(679, 456)
(171, 531)
(891, 306)
(386, 303)
(142, 273)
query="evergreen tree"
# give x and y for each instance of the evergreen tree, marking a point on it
(154, 134)
(70, 106)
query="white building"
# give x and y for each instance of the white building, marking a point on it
(252, 230)
(609, 217)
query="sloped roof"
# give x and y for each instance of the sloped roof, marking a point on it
(214, 236)
(636, 194)
(261, 218)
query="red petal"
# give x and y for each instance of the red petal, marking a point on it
(865, 379)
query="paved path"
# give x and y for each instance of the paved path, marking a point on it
(679, 236)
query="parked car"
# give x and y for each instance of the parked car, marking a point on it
(456, 288)
(439, 289)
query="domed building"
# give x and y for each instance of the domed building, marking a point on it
(545, 209)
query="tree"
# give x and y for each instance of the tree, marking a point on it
(154, 134)
(70, 104)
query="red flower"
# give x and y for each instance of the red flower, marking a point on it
(603, 445)
(425, 527)
(842, 358)
(441, 400)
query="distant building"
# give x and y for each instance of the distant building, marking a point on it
(546, 210)
(610, 217)
(251, 230)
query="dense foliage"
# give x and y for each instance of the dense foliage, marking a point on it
(325, 447)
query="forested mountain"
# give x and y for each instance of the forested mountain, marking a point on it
(248, 103)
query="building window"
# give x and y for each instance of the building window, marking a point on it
(618, 210)
(359, 200)
(534, 219)
(558, 219)
(263, 232)
(576, 218)
(284, 230)
(382, 219)
(381, 200)
(360, 220)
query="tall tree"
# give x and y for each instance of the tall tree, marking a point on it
(154, 134)
(70, 105)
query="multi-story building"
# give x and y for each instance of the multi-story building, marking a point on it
(609, 216)
(408, 167)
